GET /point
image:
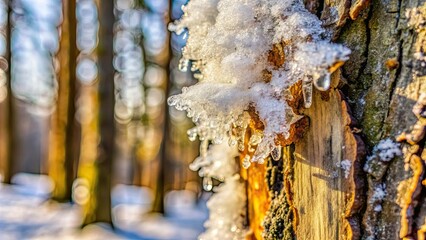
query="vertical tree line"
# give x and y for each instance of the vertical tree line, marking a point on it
(62, 155)
(163, 176)
(100, 211)
(10, 120)
(81, 160)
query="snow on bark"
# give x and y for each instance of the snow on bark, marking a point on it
(228, 46)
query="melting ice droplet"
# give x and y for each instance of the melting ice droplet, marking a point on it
(207, 183)
(322, 81)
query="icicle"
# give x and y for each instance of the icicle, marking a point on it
(276, 153)
(203, 148)
(207, 183)
(262, 152)
(307, 91)
(322, 81)
(291, 117)
(246, 161)
(241, 125)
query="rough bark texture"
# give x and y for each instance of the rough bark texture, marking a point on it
(381, 83)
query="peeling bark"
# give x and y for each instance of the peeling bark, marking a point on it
(385, 76)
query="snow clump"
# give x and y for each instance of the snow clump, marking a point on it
(228, 45)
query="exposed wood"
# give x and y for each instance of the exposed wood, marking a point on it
(258, 198)
(326, 201)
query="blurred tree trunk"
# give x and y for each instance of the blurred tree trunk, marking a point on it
(164, 172)
(98, 208)
(307, 195)
(10, 120)
(62, 155)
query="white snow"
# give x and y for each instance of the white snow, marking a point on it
(228, 203)
(345, 165)
(228, 46)
(384, 151)
(378, 195)
(227, 210)
(378, 208)
(218, 163)
(26, 213)
(387, 149)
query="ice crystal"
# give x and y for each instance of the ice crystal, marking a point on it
(387, 150)
(379, 193)
(228, 46)
(377, 198)
(219, 162)
(345, 165)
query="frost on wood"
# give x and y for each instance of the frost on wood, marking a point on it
(376, 167)
(383, 152)
(345, 165)
(378, 196)
(227, 206)
(228, 47)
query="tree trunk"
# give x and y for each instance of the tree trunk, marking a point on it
(98, 208)
(311, 194)
(62, 155)
(162, 185)
(10, 109)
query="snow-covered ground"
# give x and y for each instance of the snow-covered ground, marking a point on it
(26, 213)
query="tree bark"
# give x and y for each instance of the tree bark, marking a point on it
(163, 185)
(311, 197)
(62, 155)
(98, 207)
(10, 109)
